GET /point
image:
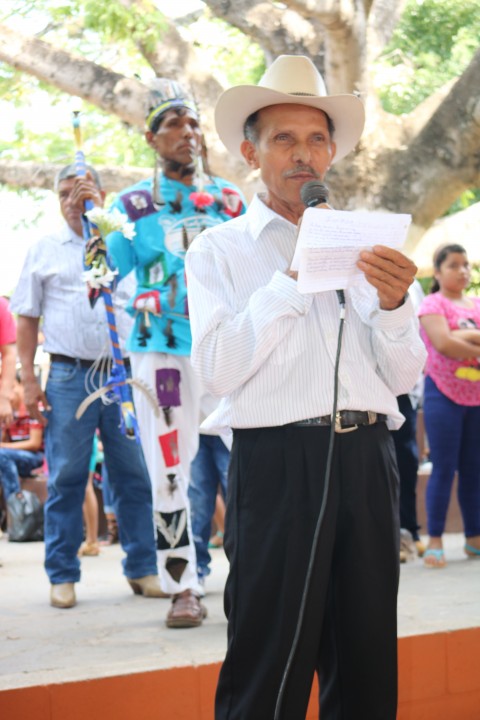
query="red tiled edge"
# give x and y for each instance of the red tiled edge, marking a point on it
(438, 680)
(438, 676)
(176, 693)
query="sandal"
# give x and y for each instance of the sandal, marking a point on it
(434, 558)
(471, 551)
(216, 541)
(420, 548)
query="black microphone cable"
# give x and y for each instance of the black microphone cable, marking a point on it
(323, 505)
(318, 527)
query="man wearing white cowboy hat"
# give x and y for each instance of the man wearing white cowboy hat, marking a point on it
(312, 516)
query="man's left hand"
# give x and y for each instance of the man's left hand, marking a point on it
(390, 272)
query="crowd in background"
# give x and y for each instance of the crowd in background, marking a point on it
(448, 396)
(162, 501)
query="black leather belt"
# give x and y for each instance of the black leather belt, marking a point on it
(56, 357)
(345, 420)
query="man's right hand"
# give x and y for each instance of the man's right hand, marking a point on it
(84, 188)
(35, 401)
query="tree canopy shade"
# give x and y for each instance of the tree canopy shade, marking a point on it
(416, 65)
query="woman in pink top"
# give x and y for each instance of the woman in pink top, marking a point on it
(450, 328)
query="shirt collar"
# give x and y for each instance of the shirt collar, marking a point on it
(259, 216)
(68, 235)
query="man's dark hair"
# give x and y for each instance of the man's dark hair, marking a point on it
(250, 128)
(180, 111)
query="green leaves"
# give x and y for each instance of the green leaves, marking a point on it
(433, 43)
(141, 23)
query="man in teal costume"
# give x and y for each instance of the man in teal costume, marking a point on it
(168, 212)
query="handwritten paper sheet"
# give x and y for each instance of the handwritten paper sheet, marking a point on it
(329, 243)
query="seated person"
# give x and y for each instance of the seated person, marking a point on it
(21, 446)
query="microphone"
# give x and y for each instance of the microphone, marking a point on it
(315, 194)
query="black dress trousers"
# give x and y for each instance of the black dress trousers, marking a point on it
(349, 633)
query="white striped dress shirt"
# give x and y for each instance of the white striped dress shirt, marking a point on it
(51, 285)
(269, 351)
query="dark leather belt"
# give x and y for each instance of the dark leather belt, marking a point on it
(345, 420)
(56, 357)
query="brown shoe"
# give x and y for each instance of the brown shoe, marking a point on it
(63, 595)
(148, 586)
(186, 612)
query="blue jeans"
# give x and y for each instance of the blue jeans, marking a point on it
(209, 469)
(15, 464)
(453, 431)
(68, 445)
(107, 494)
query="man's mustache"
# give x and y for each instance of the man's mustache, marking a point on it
(302, 169)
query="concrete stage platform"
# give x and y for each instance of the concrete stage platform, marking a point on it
(112, 658)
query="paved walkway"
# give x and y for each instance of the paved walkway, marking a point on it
(113, 632)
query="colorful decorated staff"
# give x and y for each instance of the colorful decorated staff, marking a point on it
(100, 279)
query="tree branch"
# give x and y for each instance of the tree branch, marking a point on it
(42, 175)
(168, 57)
(344, 25)
(278, 31)
(104, 88)
(383, 17)
(443, 160)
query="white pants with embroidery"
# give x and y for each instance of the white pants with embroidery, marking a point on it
(170, 442)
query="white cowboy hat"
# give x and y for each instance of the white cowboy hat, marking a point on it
(292, 79)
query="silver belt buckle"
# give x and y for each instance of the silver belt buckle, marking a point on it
(338, 427)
